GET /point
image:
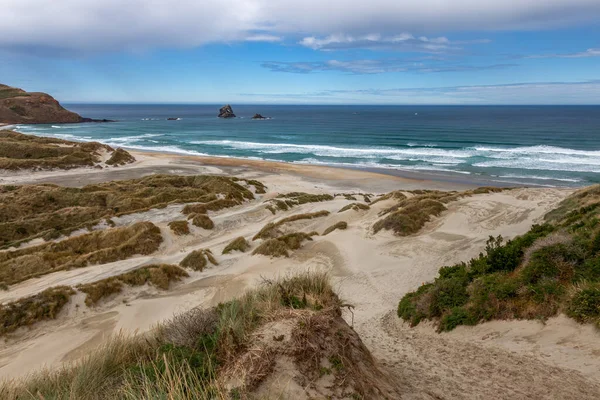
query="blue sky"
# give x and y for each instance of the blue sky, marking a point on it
(288, 51)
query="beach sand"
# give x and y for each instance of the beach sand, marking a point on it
(500, 359)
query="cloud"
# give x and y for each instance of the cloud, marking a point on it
(403, 42)
(585, 92)
(364, 67)
(263, 38)
(133, 25)
(581, 54)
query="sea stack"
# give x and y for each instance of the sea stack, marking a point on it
(258, 116)
(226, 112)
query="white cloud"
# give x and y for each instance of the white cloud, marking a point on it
(582, 54)
(264, 38)
(113, 25)
(401, 42)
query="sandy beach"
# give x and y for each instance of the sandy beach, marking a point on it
(556, 359)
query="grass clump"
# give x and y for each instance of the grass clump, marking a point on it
(213, 205)
(160, 275)
(237, 244)
(179, 228)
(183, 358)
(339, 225)
(43, 306)
(552, 268)
(80, 251)
(198, 259)
(410, 217)
(280, 246)
(271, 230)
(355, 207)
(202, 221)
(120, 157)
(32, 211)
(286, 201)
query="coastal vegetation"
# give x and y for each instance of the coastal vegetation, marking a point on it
(338, 225)
(19, 151)
(355, 207)
(197, 354)
(179, 228)
(271, 230)
(555, 267)
(202, 221)
(198, 259)
(237, 244)
(49, 211)
(281, 245)
(286, 201)
(97, 247)
(160, 276)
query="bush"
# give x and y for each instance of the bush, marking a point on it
(457, 316)
(585, 305)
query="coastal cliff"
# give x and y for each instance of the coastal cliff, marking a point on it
(20, 107)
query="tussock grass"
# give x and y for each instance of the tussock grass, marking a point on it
(280, 246)
(355, 207)
(271, 230)
(409, 216)
(552, 268)
(19, 151)
(180, 228)
(184, 357)
(213, 205)
(160, 275)
(237, 244)
(286, 201)
(80, 251)
(120, 157)
(26, 311)
(31, 211)
(396, 195)
(339, 225)
(198, 259)
(202, 221)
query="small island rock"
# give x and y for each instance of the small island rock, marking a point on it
(226, 112)
(258, 116)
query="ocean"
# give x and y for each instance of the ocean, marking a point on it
(532, 145)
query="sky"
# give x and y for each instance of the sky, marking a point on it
(304, 51)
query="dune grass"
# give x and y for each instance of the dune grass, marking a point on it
(80, 251)
(286, 201)
(159, 275)
(280, 246)
(271, 230)
(338, 225)
(355, 207)
(32, 211)
(197, 260)
(202, 221)
(553, 268)
(120, 157)
(26, 311)
(182, 358)
(237, 244)
(180, 228)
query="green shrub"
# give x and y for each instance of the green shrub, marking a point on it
(585, 305)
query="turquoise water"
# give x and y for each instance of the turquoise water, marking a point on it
(546, 145)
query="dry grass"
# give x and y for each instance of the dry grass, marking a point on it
(180, 228)
(160, 275)
(286, 201)
(31, 211)
(280, 246)
(355, 207)
(19, 151)
(271, 229)
(198, 259)
(212, 205)
(120, 157)
(339, 225)
(183, 358)
(80, 251)
(237, 244)
(202, 221)
(27, 311)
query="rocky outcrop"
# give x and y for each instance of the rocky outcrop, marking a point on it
(226, 112)
(258, 116)
(20, 107)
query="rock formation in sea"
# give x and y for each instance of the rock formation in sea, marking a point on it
(20, 107)
(226, 112)
(258, 116)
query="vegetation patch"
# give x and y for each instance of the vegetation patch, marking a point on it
(19, 151)
(212, 205)
(280, 246)
(355, 207)
(286, 201)
(32, 211)
(339, 225)
(179, 228)
(120, 157)
(202, 221)
(98, 247)
(409, 217)
(272, 230)
(160, 275)
(237, 244)
(198, 259)
(553, 268)
(27, 311)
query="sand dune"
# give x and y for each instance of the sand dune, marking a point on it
(502, 359)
